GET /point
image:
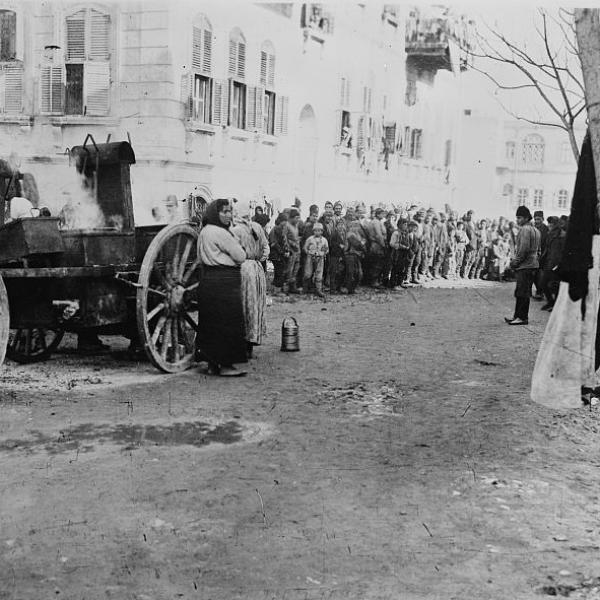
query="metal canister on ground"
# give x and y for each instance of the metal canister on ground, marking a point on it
(290, 339)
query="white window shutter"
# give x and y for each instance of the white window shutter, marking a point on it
(361, 142)
(260, 103)
(220, 103)
(52, 89)
(13, 88)
(96, 86)
(232, 65)
(241, 64)
(187, 82)
(271, 71)
(197, 49)
(263, 68)
(99, 36)
(251, 108)
(207, 52)
(76, 37)
(281, 115)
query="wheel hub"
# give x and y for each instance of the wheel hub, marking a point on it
(176, 297)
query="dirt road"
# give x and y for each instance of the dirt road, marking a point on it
(397, 455)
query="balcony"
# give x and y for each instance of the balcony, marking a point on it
(316, 22)
(427, 43)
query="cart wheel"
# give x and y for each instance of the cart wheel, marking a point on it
(4, 321)
(166, 307)
(33, 344)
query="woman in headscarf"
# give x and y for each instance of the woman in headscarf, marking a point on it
(254, 241)
(220, 339)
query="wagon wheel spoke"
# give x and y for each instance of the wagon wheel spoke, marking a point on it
(175, 262)
(165, 341)
(192, 287)
(159, 327)
(184, 259)
(190, 320)
(183, 335)
(158, 308)
(28, 341)
(175, 338)
(163, 278)
(160, 293)
(189, 272)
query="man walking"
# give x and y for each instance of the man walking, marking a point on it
(525, 264)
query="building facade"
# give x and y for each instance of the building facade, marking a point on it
(266, 102)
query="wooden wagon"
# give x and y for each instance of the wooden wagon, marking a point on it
(112, 278)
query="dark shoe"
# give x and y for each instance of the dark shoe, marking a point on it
(518, 322)
(231, 372)
(537, 297)
(546, 307)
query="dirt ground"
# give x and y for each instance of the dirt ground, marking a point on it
(396, 456)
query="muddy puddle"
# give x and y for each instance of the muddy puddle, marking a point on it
(84, 437)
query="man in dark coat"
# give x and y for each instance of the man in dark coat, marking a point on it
(525, 263)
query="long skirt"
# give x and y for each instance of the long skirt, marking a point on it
(254, 300)
(220, 337)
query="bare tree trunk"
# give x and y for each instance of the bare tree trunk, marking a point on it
(587, 26)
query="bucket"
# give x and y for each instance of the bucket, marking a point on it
(290, 341)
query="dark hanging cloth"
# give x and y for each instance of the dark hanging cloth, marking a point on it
(221, 326)
(577, 256)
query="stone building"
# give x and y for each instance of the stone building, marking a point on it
(266, 102)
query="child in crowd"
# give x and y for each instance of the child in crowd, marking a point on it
(316, 249)
(414, 245)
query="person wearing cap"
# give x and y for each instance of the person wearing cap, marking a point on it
(538, 221)
(525, 264)
(400, 248)
(293, 242)
(337, 246)
(418, 247)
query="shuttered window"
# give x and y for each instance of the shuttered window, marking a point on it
(52, 87)
(220, 102)
(11, 88)
(8, 35)
(202, 45)
(87, 69)
(197, 92)
(267, 65)
(281, 115)
(237, 55)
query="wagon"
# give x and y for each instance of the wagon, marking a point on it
(109, 277)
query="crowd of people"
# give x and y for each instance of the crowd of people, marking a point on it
(338, 250)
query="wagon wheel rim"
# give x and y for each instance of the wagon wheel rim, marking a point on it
(166, 303)
(32, 344)
(4, 321)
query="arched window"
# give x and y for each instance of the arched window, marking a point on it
(202, 37)
(85, 72)
(533, 150)
(237, 55)
(199, 83)
(267, 65)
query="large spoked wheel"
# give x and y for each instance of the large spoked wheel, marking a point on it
(4, 320)
(30, 345)
(167, 314)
